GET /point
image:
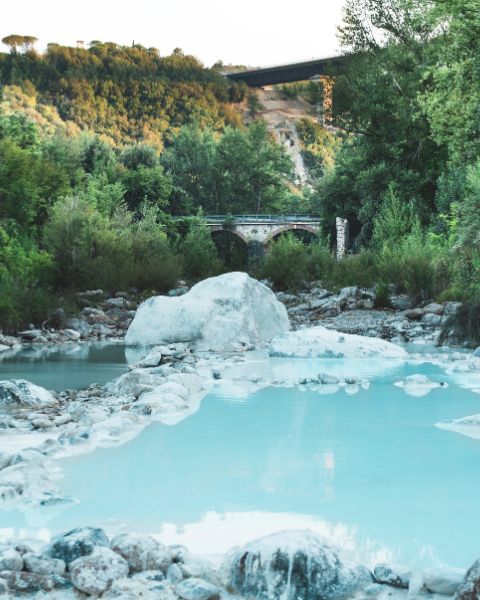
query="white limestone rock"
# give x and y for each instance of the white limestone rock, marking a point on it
(469, 426)
(43, 565)
(178, 396)
(197, 589)
(95, 573)
(10, 560)
(394, 575)
(140, 589)
(291, 565)
(220, 313)
(418, 385)
(319, 342)
(142, 552)
(76, 543)
(443, 580)
(24, 394)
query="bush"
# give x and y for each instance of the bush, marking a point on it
(355, 269)
(114, 253)
(415, 266)
(25, 277)
(321, 262)
(199, 252)
(286, 263)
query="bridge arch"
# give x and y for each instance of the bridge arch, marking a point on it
(232, 246)
(313, 231)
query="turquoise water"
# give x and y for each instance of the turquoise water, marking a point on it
(369, 470)
(71, 366)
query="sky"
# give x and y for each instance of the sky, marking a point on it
(248, 32)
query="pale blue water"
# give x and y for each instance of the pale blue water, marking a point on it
(71, 366)
(369, 469)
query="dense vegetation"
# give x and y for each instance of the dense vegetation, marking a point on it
(100, 147)
(407, 171)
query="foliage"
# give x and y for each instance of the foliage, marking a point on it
(286, 263)
(199, 252)
(127, 94)
(242, 171)
(115, 253)
(25, 278)
(318, 146)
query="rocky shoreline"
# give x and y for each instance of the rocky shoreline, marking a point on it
(167, 384)
(290, 565)
(351, 310)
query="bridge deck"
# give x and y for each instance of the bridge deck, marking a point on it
(262, 219)
(286, 73)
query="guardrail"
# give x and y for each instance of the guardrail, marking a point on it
(239, 219)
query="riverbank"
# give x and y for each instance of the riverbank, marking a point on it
(352, 310)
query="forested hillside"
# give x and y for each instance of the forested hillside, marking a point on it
(123, 93)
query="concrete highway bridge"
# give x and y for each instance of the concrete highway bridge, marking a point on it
(301, 71)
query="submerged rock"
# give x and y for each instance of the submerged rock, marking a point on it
(95, 573)
(76, 543)
(291, 565)
(319, 342)
(22, 393)
(220, 313)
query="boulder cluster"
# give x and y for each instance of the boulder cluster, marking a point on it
(360, 311)
(289, 565)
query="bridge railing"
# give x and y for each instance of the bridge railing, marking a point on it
(219, 219)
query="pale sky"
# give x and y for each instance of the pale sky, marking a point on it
(250, 32)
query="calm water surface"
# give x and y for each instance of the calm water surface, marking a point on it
(370, 470)
(70, 366)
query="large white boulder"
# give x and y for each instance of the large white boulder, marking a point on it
(291, 565)
(220, 314)
(320, 342)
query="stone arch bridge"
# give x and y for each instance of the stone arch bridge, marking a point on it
(258, 231)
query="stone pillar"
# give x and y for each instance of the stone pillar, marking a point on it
(342, 236)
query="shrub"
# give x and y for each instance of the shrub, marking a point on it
(286, 263)
(415, 266)
(355, 269)
(199, 252)
(25, 277)
(114, 253)
(321, 262)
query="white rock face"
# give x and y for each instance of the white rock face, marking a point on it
(95, 573)
(22, 393)
(292, 565)
(319, 342)
(219, 314)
